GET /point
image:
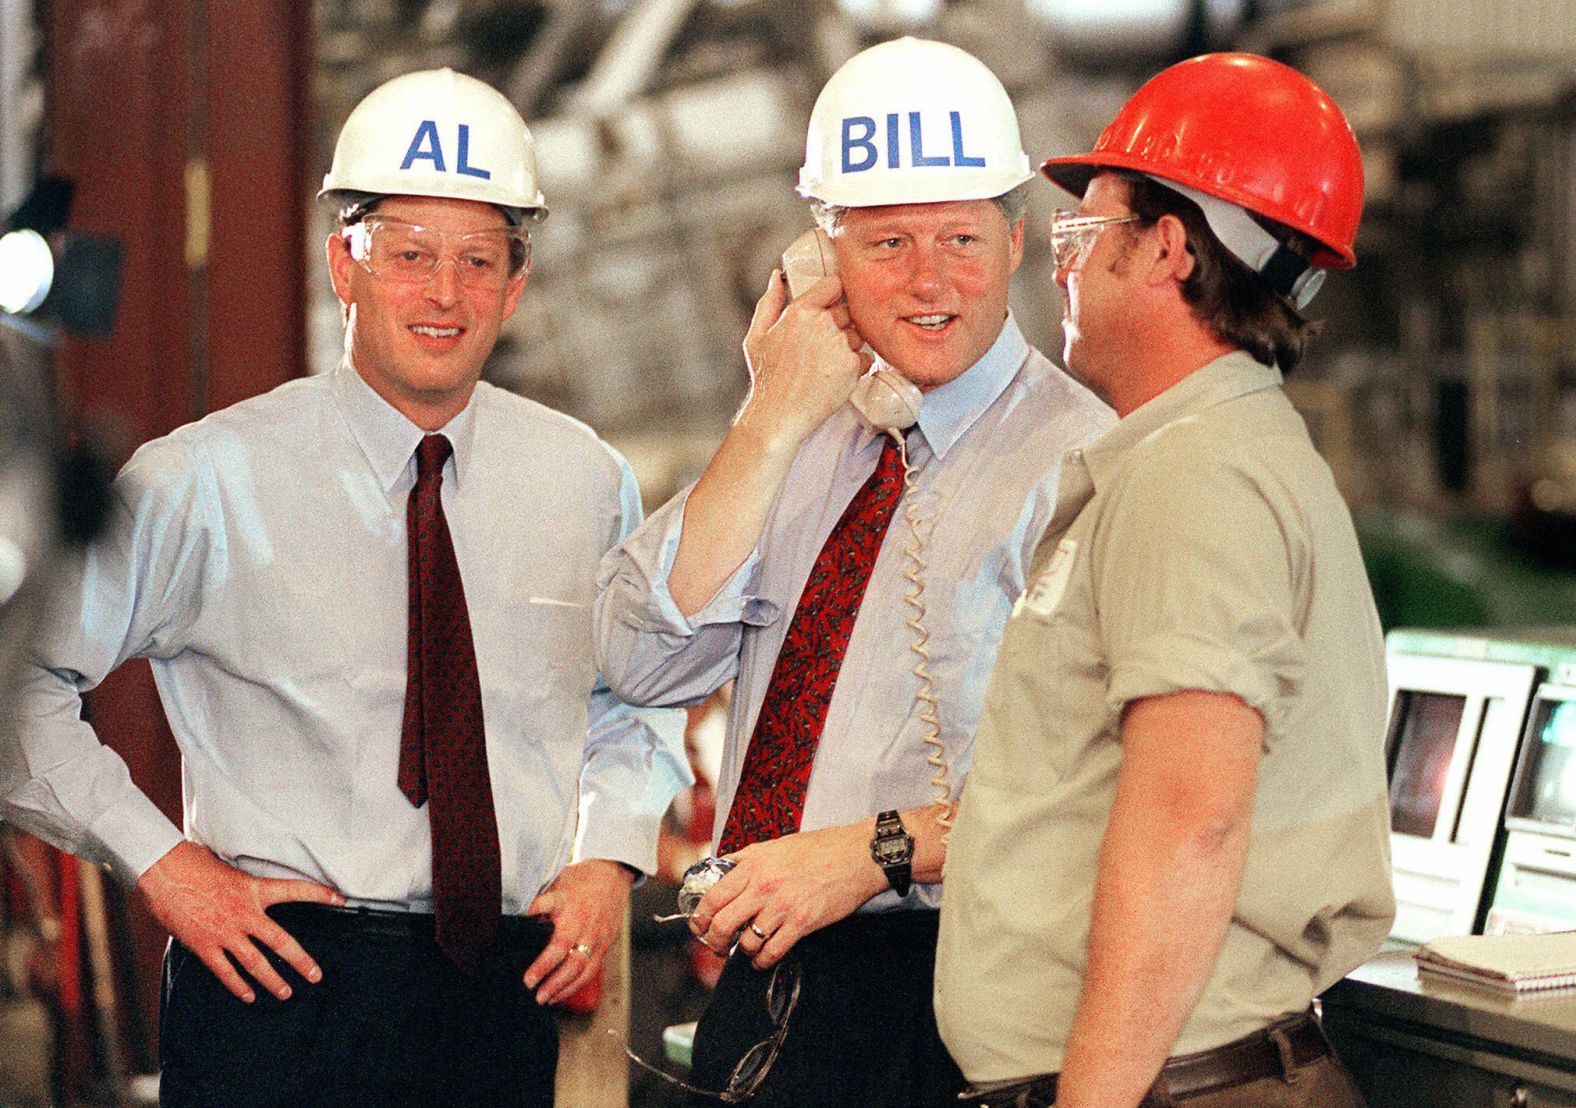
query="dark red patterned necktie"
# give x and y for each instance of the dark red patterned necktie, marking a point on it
(443, 748)
(769, 801)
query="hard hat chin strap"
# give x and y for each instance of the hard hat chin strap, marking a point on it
(1280, 267)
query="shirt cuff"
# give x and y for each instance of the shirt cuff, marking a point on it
(1175, 663)
(142, 836)
(632, 841)
(733, 602)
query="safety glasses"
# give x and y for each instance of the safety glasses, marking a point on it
(782, 995)
(394, 250)
(1073, 235)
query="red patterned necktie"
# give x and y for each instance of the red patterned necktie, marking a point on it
(443, 748)
(769, 801)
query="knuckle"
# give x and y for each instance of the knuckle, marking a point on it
(274, 935)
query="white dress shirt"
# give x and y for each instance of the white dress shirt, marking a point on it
(987, 449)
(258, 559)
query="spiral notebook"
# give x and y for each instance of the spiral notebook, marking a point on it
(1510, 964)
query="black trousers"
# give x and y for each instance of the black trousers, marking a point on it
(863, 1034)
(393, 1022)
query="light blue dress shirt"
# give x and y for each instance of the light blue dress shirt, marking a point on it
(258, 558)
(987, 449)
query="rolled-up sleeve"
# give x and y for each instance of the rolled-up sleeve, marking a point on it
(1207, 600)
(649, 653)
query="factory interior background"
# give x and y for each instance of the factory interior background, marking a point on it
(669, 135)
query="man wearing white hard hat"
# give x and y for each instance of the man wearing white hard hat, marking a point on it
(412, 811)
(854, 582)
(1176, 833)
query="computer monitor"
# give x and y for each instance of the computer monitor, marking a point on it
(1543, 796)
(1536, 887)
(1451, 743)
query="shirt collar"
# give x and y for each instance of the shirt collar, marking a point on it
(1227, 377)
(951, 409)
(386, 437)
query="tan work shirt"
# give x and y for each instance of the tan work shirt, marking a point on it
(1199, 545)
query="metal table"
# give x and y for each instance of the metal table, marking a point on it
(1411, 1042)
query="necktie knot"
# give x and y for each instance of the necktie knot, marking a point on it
(431, 453)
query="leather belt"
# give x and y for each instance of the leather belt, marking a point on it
(307, 918)
(1276, 1051)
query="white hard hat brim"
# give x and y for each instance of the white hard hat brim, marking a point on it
(913, 187)
(341, 199)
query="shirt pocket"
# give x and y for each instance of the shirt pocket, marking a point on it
(557, 635)
(541, 646)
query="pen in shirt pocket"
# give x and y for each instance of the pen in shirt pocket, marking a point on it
(550, 602)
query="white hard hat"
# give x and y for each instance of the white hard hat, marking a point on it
(438, 133)
(912, 122)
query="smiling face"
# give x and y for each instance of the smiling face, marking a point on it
(420, 344)
(927, 283)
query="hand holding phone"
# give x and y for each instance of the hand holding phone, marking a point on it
(804, 360)
(884, 399)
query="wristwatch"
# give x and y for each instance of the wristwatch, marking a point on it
(893, 850)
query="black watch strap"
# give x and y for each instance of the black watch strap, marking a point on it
(893, 850)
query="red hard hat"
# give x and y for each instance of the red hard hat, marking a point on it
(1248, 130)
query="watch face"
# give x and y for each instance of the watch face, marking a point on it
(892, 850)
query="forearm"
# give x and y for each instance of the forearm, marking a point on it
(1163, 901)
(930, 849)
(786, 888)
(803, 364)
(726, 510)
(648, 652)
(850, 845)
(1170, 866)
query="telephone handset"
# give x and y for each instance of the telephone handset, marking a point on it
(884, 399)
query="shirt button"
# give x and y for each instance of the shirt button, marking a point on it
(1076, 454)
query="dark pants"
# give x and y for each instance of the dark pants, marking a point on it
(863, 1034)
(393, 1022)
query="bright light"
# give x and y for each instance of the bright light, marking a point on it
(27, 269)
(896, 11)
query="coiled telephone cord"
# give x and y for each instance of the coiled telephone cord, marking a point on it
(913, 573)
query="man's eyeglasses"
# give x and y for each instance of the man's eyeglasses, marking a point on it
(1073, 235)
(394, 250)
(782, 995)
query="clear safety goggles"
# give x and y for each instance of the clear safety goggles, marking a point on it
(394, 250)
(782, 996)
(1073, 235)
